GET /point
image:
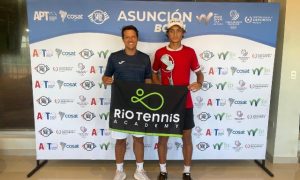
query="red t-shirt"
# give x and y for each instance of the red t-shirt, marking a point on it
(175, 67)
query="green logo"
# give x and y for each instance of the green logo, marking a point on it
(140, 92)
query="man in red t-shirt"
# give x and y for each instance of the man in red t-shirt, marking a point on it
(174, 62)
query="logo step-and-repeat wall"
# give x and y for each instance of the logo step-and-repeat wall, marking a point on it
(70, 43)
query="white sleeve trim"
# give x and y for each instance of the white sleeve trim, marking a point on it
(196, 70)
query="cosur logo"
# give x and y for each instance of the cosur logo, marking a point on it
(139, 99)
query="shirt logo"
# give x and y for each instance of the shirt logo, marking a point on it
(121, 62)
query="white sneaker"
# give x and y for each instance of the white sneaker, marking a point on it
(120, 175)
(141, 175)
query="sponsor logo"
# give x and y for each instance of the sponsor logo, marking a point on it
(238, 146)
(216, 132)
(221, 86)
(253, 146)
(65, 84)
(103, 54)
(87, 84)
(207, 55)
(255, 132)
(65, 132)
(86, 53)
(244, 55)
(42, 68)
(88, 116)
(82, 102)
(47, 84)
(89, 146)
(203, 116)
(258, 102)
(45, 131)
(206, 85)
(222, 116)
(218, 20)
(48, 146)
(239, 116)
(238, 102)
(198, 102)
(234, 22)
(43, 100)
(242, 86)
(104, 146)
(60, 52)
(47, 115)
(262, 56)
(103, 132)
(197, 132)
(205, 17)
(235, 132)
(65, 15)
(104, 116)
(257, 19)
(98, 17)
(44, 16)
(178, 145)
(202, 146)
(256, 116)
(42, 53)
(239, 71)
(63, 101)
(62, 69)
(83, 132)
(67, 116)
(69, 146)
(258, 86)
(221, 146)
(261, 71)
(219, 102)
(81, 69)
(102, 86)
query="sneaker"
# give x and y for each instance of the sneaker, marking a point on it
(186, 176)
(162, 176)
(141, 175)
(120, 175)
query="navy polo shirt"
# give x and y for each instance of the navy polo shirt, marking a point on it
(129, 68)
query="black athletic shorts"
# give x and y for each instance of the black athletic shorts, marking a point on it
(188, 119)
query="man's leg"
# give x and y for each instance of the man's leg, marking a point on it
(187, 147)
(162, 149)
(120, 149)
(138, 149)
(162, 155)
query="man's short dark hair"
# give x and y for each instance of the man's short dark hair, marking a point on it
(130, 27)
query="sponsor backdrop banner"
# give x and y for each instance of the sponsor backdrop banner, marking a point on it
(70, 42)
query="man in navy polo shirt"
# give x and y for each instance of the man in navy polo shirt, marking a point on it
(128, 64)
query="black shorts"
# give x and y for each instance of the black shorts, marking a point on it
(188, 122)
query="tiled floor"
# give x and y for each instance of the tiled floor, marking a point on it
(16, 168)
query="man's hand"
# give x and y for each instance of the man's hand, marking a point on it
(107, 80)
(195, 86)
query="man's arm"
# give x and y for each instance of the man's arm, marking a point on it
(155, 78)
(195, 86)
